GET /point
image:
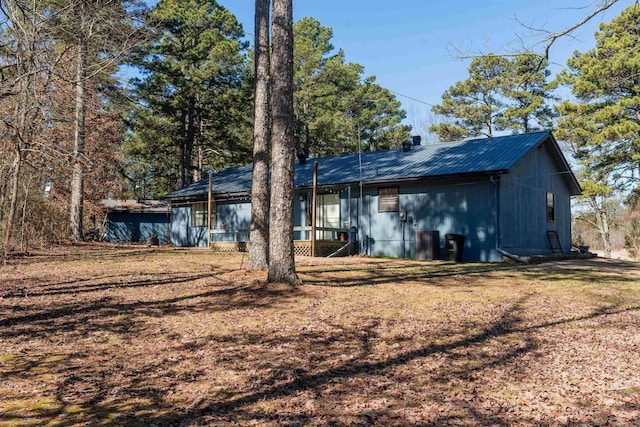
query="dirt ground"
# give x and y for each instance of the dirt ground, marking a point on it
(127, 335)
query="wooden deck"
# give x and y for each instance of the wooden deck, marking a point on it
(300, 248)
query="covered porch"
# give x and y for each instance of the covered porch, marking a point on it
(329, 241)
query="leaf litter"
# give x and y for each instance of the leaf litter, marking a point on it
(127, 335)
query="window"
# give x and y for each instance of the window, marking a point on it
(388, 200)
(551, 211)
(199, 214)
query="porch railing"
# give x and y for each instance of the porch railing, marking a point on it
(335, 234)
(301, 233)
(219, 235)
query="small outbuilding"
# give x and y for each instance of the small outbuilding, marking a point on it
(136, 221)
(480, 198)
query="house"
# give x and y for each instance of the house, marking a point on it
(507, 195)
(136, 220)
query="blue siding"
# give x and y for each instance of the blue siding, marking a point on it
(523, 205)
(182, 233)
(467, 208)
(229, 215)
(136, 227)
(233, 215)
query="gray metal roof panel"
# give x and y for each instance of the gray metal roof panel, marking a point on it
(235, 180)
(452, 158)
(464, 157)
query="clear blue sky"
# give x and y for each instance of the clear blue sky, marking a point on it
(409, 45)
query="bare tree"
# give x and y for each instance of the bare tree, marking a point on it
(259, 250)
(100, 33)
(544, 39)
(25, 73)
(281, 256)
(77, 182)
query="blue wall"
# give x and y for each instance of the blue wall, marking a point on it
(182, 233)
(230, 215)
(523, 218)
(136, 227)
(456, 206)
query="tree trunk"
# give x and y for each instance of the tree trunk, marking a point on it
(281, 257)
(12, 203)
(259, 237)
(182, 165)
(24, 236)
(77, 182)
(605, 232)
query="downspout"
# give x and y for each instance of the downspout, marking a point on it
(501, 251)
(496, 185)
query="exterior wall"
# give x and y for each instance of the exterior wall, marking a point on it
(523, 215)
(230, 216)
(456, 206)
(182, 233)
(233, 216)
(136, 227)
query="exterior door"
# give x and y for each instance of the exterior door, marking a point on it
(327, 215)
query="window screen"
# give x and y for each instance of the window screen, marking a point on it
(388, 200)
(199, 214)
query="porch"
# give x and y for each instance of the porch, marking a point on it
(328, 242)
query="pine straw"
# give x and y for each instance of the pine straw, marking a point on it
(99, 334)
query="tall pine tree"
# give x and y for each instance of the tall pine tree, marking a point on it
(194, 92)
(604, 123)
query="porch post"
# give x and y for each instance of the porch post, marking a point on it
(209, 212)
(313, 209)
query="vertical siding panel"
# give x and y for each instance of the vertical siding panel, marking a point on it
(460, 207)
(523, 209)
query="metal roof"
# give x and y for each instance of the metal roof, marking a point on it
(136, 206)
(484, 155)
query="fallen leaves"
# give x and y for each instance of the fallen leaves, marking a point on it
(135, 336)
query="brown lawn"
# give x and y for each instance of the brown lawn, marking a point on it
(106, 335)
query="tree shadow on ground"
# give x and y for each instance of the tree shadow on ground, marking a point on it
(380, 273)
(113, 389)
(90, 388)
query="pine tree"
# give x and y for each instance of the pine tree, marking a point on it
(194, 90)
(333, 99)
(527, 92)
(472, 106)
(604, 125)
(259, 237)
(500, 94)
(281, 256)
(100, 33)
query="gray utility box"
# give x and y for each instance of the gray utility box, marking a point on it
(427, 244)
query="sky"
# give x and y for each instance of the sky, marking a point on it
(414, 47)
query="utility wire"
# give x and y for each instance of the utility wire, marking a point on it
(411, 98)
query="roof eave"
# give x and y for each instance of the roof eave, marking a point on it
(410, 179)
(575, 188)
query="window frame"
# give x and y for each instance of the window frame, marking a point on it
(199, 214)
(389, 202)
(550, 205)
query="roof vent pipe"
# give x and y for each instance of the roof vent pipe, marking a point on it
(406, 146)
(416, 139)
